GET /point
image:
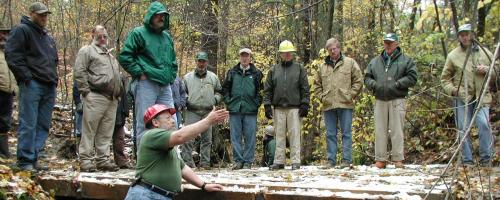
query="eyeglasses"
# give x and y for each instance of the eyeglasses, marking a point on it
(43, 15)
(160, 117)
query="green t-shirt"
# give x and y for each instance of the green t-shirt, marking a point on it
(156, 163)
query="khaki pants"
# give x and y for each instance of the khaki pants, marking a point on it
(287, 120)
(389, 122)
(99, 114)
(205, 142)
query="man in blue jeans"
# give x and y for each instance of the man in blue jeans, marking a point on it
(180, 99)
(242, 95)
(339, 80)
(465, 87)
(78, 111)
(148, 55)
(32, 56)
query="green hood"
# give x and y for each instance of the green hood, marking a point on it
(154, 8)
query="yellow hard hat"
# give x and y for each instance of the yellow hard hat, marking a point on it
(286, 46)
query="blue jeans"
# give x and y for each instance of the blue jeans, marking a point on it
(243, 125)
(178, 116)
(146, 94)
(140, 192)
(78, 123)
(344, 116)
(36, 101)
(484, 131)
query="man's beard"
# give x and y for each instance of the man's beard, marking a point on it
(104, 46)
(2, 45)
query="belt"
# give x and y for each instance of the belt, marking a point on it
(156, 189)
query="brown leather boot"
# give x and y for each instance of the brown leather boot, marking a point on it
(107, 166)
(87, 166)
(4, 145)
(399, 164)
(380, 164)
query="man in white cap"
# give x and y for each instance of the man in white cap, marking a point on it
(454, 79)
(242, 96)
(389, 76)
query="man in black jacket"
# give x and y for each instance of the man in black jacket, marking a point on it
(32, 56)
(286, 89)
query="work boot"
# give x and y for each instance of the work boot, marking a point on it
(276, 166)
(238, 166)
(380, 164)
(469, 165)
(107, 167)
(41, 167)
(27, 167)
(399, 164)
(247, 166)
(344, 164)
(87, 166)
(204, 167)
(125, 166)
(485, 164)
(295, 166)
(4, 145)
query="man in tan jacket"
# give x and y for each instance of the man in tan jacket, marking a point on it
(465, 88)
(97, 76)
(338, 81)
(8, 88)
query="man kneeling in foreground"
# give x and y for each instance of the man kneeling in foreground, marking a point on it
(159, 168)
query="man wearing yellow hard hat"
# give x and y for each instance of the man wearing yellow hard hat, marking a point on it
(286, 89)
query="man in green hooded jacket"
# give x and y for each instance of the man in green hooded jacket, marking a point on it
(148, 55)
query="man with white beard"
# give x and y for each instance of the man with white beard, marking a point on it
(98, 79)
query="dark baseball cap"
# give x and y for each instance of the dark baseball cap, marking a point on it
(39, 8)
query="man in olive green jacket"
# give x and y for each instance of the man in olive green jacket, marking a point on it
(338, 81)
(98, 80)
(286, 89)
(465, 88)
(8, 88)
(389, 76)
(204, 92)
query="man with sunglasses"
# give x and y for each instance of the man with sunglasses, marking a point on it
(32, 56)
(98, 80)
(148, 56)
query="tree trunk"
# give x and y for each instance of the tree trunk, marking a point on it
(331, 13)
(340, 20)
(443, 44)
(209, 38)
(392, 25)
(481, 15)
(454, 14)
(416, 3)
(223, 33)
